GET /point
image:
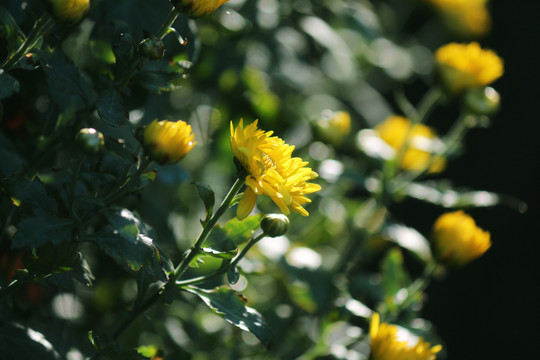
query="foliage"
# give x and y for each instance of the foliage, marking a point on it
(137, 258)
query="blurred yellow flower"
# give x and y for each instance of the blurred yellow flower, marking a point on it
(271, 170)
(197, 8)
(334, 126)
(385, 344)
(466, 17)
(168, 141)
(458, 240)
(396, 131)
(466, 66)
(69, 10)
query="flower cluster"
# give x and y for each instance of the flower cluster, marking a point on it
(419, 141)
(386, 344)
(271, 170)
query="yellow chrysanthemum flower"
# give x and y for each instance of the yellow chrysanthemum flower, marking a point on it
(466, 66)
(271, 170)
(69, 10)
(197, 8)
(168, 141)
(396, 131)
(385, 344)
(458, 240)
(466, 17)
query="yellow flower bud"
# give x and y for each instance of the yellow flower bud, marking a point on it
(69, 11)
(333, 127)
(482, 101)
(197, 8)
(467, 66)
(168, 141)
(396, 131)
(458, 240)
(465, 17)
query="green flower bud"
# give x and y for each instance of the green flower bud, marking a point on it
(274, 225)
(91, 141)
(152, 48)
(482, 101)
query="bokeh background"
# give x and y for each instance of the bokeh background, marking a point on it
(497, 297)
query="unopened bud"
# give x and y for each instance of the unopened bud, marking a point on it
(152, 48)
(69, 11)
(274, 225)
(482, 101)
(91, 141)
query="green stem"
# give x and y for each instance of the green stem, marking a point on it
(14, 285)
(427, 105)
(184, 263)
(164, 29)
(42, 25)
(182, 267)
(223, 270)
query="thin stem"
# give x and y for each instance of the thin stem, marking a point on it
(41, 26)
(164, 29)
(14, 285)
(182, 267)
(184, 263)
(427, 105)
(223, 270)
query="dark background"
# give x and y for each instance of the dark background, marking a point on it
(490, 309)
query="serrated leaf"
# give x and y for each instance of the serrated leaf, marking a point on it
(158, 76)
(67, 87)
(110, 107)
(8, 85)
(30, 193)
(41, 229)
(128, 246)
(226, 302)
(207, 195)
(19, 342)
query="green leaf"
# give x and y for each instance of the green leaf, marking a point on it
(11, 31)
(158, 76)
(410, 239)
(50, 259)
(127, 245)
(112, 350)
(8, 85)
(110, 108)
(441, 193)
(239, 231)
(394, 276)
(19, 342)
(68, 88)
(31, 194)
(207, 195)
(219, 245)
(41, 229)
(226, 302)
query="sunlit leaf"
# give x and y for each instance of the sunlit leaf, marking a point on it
(226, 302)
(207, 195)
